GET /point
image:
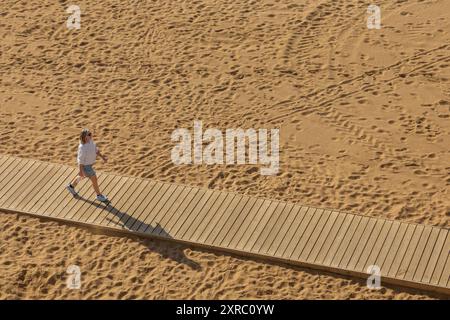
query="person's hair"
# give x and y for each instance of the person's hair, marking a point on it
(83, 136)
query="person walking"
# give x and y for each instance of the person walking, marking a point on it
(87, 155)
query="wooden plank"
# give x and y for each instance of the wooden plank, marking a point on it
(258, 245)
(85, 207)
(294, 219)
(49, 189)
(51, 193)
(196, 209)
(414, 255)
(35, 187)
(9, 185)
(94, 209)
(149, 224)
(229, 203)
(4, 164)
(154, 207)
(445, 277)
(119, 209)
(5, 169)
(202, 215)
(317, 221)
(361, 244)
(211, 218)
(162, 208)
(3, 158)
(386, 265)
(351, 248)
(379, 227)
(3, 161)
(261, 226)
(15, 184)
(224, 215)
(173, 210)
(401, 250)
(244, 225)
(338, 238)
(417, 255)
(440, 265)
(187, 212)
(40, 189)
(276, 236)
(115, 195)
(238, 222)
(340, 251)
(381, 257)
(315, 235)
(135, 199)
(303, 254)
(177, 215)
(135, 221)
(60, 195)
(434, 256)
(330, 238)
(113, 210)
(137, 206)
(409, 252)
(20, 182)
(298, 233)
(378, 246)
(16, 168)
(192, 210)
(72, 204)
(62, 206)
(332, 216)
(30, 177)
(88, 198)
(230, 221)
(259, 216)
(427, 251)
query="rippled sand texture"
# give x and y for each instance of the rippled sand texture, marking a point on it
(364, 117)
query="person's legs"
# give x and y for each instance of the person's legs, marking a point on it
(89, 173)
(73, 184)
(95, 185)
(76, 181)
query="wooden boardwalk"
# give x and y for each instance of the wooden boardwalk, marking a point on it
(407, 254)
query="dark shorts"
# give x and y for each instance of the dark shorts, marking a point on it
(89, 171)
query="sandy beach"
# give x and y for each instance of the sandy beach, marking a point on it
(364, 119)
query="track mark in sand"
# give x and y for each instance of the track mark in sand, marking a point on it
(301, 41)
(321, 101)
(335, 89)
(331, 17)
(330, 114)
(352, 37)
(328, 91)
(336, 117)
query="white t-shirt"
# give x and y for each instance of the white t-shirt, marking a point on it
(87, 153)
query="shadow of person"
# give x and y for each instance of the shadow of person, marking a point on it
(137, 226)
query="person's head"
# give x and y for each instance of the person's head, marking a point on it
(85, 136)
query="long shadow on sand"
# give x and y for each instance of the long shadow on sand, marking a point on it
(132, 224)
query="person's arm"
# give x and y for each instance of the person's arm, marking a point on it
(105, 159)
(81, 174)
(81, 160)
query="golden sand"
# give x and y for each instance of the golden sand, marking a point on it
(363, 115)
